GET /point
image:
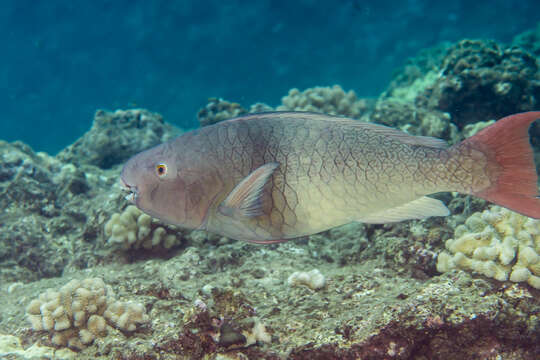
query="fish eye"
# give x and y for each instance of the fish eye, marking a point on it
(161, 170)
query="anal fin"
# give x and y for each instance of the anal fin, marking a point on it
(421, 208)
(267, 242)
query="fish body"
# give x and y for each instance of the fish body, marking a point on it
(274, 176)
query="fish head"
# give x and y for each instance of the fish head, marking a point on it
(159, 185)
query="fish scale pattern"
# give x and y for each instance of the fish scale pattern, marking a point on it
(348, 169)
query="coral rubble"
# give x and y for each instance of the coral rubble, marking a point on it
(313, 279)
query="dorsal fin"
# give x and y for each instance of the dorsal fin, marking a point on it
(366, 126)
(401, 135)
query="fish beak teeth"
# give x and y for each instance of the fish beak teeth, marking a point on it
(123, 185)
(132, 192)
(130, 197)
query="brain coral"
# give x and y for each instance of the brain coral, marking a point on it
(134, 229)
(497, 243)
(78, 312)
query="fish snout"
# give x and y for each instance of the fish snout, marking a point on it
(130, 189)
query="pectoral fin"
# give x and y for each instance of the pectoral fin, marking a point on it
(418, 209)
(245, 200)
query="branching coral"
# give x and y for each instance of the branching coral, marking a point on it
(126, 315)
(329, 100)
(134, 229)
(497, 243)
(78, 312)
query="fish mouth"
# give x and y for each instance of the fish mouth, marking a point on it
(131, 190)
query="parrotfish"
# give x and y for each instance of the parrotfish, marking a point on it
(274, 176)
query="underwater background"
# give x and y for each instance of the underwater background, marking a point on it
(88, 84)
(64, 59)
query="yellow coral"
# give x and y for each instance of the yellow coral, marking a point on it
(126, 315)
(76, 314)
(329, 100)
(497, 243)
(134, 229)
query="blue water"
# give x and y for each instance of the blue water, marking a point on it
(62, 60)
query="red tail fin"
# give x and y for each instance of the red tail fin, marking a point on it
(507, 143)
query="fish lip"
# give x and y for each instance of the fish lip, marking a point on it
(124, 185)
(132, 197)
(133, 192)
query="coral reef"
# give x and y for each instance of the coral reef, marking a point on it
(529, 40)
(77, 313)
(116, 136)
(343, 245)
(125, 315)
(365, 310)
(44, 218)
(329, 100)
(218, 110)
(471, 129)
(260, 107)
(227, 321)
(55, 207)
(418, 73)
(482, 80)
(496, 243)
(381, 295)
(414, 120)
(133, 229)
